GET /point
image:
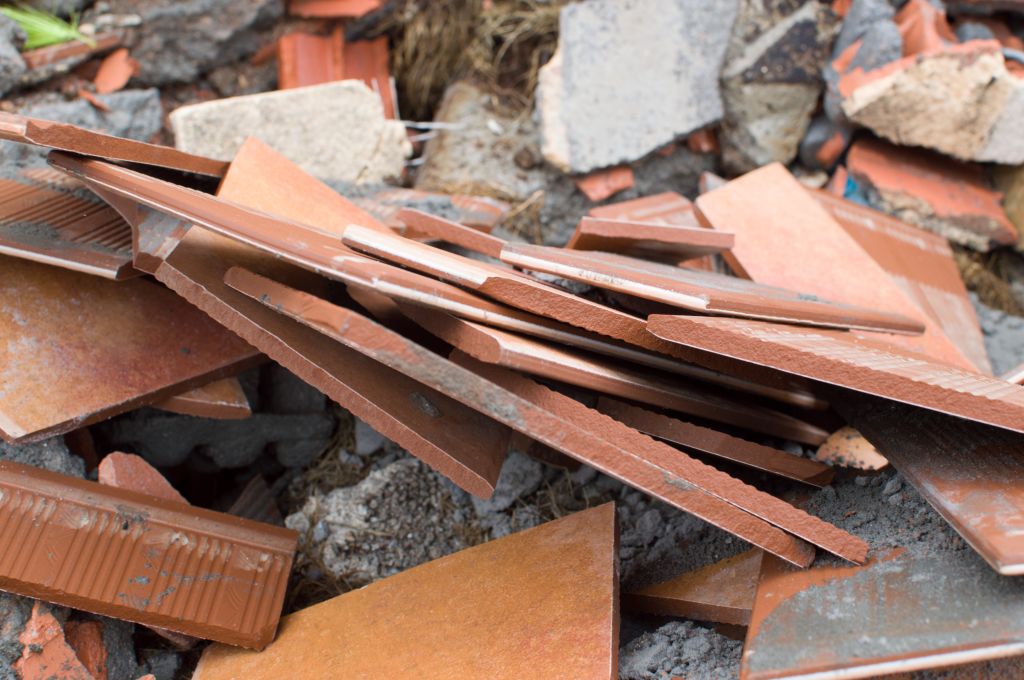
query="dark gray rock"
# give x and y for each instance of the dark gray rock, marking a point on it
(861, 16)
(51, 454)
(821, 130)
(180, 41)
(1004, 336)
(12, 66)
(680, 649)
(972, 30)
(14, 614)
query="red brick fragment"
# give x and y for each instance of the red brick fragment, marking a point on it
(47, 654)
(602, 184)
(86, 638)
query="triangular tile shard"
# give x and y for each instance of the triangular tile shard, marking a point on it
(648, 240)
(769, 207)
(539, 603)
(222, 399)
(722, 592)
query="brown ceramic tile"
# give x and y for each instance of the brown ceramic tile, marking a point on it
(81, 232)
(972, 474)
(305, 59)
(718, 444)
(576, 368)
(665, 208)
(137, 557)
(722, 592)
(902, 611)
(649, 240)
(846, 447)
(922, 265)
(954, 191)
(334, 9)
(401, 409)
(64, 137)
(546, 416)
(778, 223)
(853, 362)
(222, 399)
(451, 232)
(705, 292)
(131, 472)
(602, 184)
(110, 346)
(532, 604)
(53, 54)
(368, 61)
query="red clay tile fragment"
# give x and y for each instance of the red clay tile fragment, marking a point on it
(110, 346)
(257, 503)
(665, 208)
(924, 28)
(697, 291)
(703, 141)
(722, 592)
(602, 184)
(532, 604)
(719, 444)
(222, 399)
(46, 654)
(949, 197)
(369, 61)
(558, 421)
(854, 362)
(128, 471)
(452, 232)
(513, 351)
(846, 447)
(478, 212)
(1015, 375)
(83, 233)
(133, 556)
(93, 100)
(115, 71)
(86, 638)
(922, 265)
(74, 139)
(778, 223)
(334, 9)
(53, 54)
(648, 240)
(306, 59)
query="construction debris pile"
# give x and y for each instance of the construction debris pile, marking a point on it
(685, 341)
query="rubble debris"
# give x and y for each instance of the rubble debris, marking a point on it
(364, 533)
(706, 292)
(960, 100)
(255, 557)
(532, 415)
(722, 592)
(648, 240)
(179, 43)
(595, 68)
(949, 198)
(720, 444)
(854, 362)
(768, 206)
(922, 265)
(771, 80)
(1015, 375)
(568, 582)
(1004, 336)
(904, 610)
(970, 481)
(334, 9)
(115, 71)
(53, 135)
(85, 234)
(118, 326)
(602, 184)
(222, 399)
(680, 649)
(468, 152)
(1010, 181)
(342, 134)
(128, 471)
(549, 361)
(846, 447)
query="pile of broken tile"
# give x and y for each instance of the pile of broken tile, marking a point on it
(764, 418)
